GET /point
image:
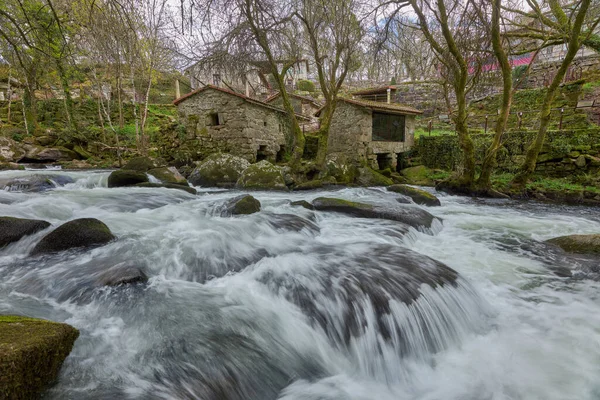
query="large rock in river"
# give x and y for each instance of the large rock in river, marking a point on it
(48, 154)
(185, 188)
(13, 229)
(369, 177)
(143, 164)
(412, 216)
(83, 232)
(262, 176)
(34, 183)
(168, 175)
(123, 177)
(31, 354)
(241, 205)
(419, 196)
(218, 170)
(581, 244)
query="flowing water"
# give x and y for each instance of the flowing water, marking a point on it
(294, 304)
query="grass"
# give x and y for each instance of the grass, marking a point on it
(544, 184)
(434, 132)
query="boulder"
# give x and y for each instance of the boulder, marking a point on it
(369, 177)
(302, 203)
(337, 166)
(241, 205)
(143, 164)
(419, 175)
(31, 354)
(13, 229)
(10, 150)
(122, 274)
(310, 185)
(48, 154)
(412, 216)
(123, 177)
(45, 140)
(168, 175)
(581, 244)
(218, 170)
(81, 152)
(262, 176)
(35, 183)
(417, 195)
(185, 188)
(291, 222)
(83, 232)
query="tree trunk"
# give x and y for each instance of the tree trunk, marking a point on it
(464, 139)
(30, 108)
(297, 134)
(68, 101)
(144, 138)
(9, 93)
(326, 118)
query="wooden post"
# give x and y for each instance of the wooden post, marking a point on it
(177, 91)
(520, 114)
(389, 95)
(562, 110)
(486, 121)
(429, 126)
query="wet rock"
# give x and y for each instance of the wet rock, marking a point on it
(122, 274)
(412, 216)
(123, 177)
(185, 188)
(10, 150)
(419, 175)
(218, 170)
(13, 229)
(581, 244)
(368, 177)
(48, 154)
(302, 203)
(168, 175)
(310, 185)
(143, 164)
(262, 176)
(291, 222)
(32, 352)
(241, 205)
(35, 183)
(83, 232)
(417, 195)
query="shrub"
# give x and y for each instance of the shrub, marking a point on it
(306, 86)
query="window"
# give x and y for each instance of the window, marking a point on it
(388, 127)
(216, 79)
(215, 119)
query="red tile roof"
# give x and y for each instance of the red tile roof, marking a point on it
(241, 96)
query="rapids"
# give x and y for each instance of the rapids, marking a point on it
(294, 304)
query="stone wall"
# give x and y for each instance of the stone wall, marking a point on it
(305, 108)
(245, 129)
(564, 152)
(350, 137)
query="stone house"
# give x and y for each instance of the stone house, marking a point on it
(371, 133)
(303, 105)
(220, 120)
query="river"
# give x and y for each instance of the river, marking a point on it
(267, 306)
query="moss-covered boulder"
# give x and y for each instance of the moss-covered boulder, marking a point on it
(143, 164)
(31, 354)
(337, 166)
(262, 176)
(370, 177)
(581, 244)
(241, 205)
(302, 203)
(411, 216)
(185, 188)
(123, 177)
(38, 154)
(168, 175)
(419, 175)
(419, 196)
(81, 152)
(78, 233)
(13, 229)
(10, 150)
(309, 185)
(219, 170)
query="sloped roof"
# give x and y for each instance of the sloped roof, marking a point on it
(375, 90)
(230, 92)
(306, 98)
(391, 108)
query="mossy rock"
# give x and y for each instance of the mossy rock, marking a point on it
(581, 244)
(185, 188)
(78, 233)
(142, 164)
(262, 176)
(168, 175)
(13, 229)
(124, 177)
(31, 354)
(219, 170)
(310, 185)
(369, 177)
(417, 195)
(343, 172)
(302, 203)
(419, 175)
(241, 205)
(81, 152)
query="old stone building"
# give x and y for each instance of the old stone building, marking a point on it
(303, 105)
(370, 132)
(224, 121)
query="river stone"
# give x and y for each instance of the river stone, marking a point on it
(31, 354)
(309, 185)
(219, 170)
(122, 274)
(13, 229)
(241, 205)
(185, 188)
(419, 196)
(582, 244)
(35, 183)
(83, 232)
(410, 215)
(291, 222)
(122, 177)
(368, 177)
(262, 176)
(302, 203)
(143, 164)
(168, 175)
(48, 155)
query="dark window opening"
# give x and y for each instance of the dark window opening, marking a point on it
(384, 161)
(261, 153)
(216, 79)
(280, 157)
(265, 123)
(215, 119)
(388, 127)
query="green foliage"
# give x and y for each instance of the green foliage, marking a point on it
(393, 81)
(518, 72)
(306, 86)
(424, 131)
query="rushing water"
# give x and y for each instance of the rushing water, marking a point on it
(294, 304)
